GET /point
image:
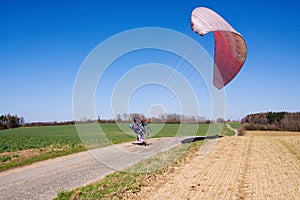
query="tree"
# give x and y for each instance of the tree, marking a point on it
(10, 121)
(273, 121)
(220, 120)
(125, 117)
(118, 118)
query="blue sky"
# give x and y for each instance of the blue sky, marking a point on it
(43, 43)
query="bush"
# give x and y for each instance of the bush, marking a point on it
(241, 131)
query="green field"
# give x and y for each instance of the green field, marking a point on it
(66, 135)
(235, 125)
(52, 141)
(38, 137)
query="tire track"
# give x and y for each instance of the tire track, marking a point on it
(227, 173)
(247, 167)
(211, 177)
(273, 173)
(242, 185)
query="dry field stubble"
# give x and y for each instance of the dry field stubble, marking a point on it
(259, 165)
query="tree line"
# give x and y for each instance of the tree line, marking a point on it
(164, 118)
(128, 118)
(10, 121)
(274, 121)
(14, 121)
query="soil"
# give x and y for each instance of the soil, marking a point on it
(259, 165)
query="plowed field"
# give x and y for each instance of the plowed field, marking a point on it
(259, 165)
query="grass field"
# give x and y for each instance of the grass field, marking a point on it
(235, 125)
(26, 145)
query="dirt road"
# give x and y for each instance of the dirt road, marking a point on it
(43, 180)
(255, 166)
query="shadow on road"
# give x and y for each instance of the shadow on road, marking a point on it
(140, 144)
(197, 138)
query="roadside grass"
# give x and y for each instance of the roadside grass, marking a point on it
(54, 141)
(43, 155)
(235, 125)
(226, 131)
(126, 183)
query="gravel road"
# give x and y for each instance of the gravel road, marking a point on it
(235, 131)
(43, 180)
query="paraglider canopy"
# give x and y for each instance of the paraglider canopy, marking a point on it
(230, 47)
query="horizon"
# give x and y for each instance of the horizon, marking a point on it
(198, 118)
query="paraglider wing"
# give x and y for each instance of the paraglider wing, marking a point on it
(230, 47)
